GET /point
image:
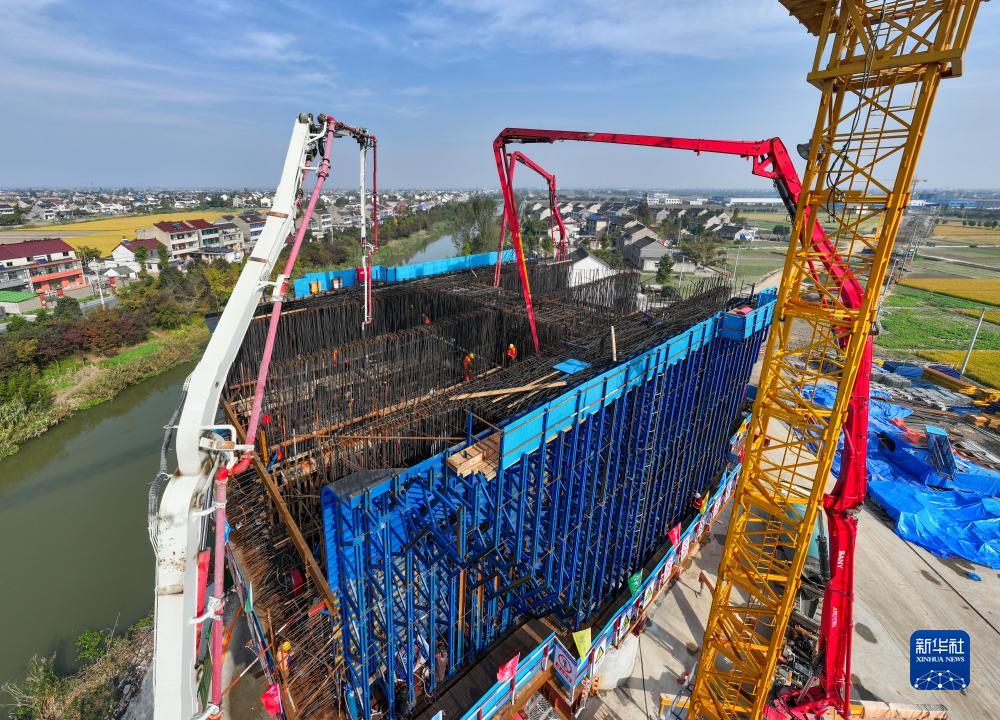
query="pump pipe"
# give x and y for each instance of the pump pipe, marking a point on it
(224, 473)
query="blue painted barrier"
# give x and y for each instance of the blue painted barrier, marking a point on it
(333, 279)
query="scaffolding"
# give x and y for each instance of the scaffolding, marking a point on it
(400, 514)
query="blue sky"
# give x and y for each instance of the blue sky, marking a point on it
(203, 92)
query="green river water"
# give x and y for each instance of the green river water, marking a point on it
(75, 549)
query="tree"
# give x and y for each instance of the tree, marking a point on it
(667, 229)
(87, 254)
(704, 250)
(16, 219)
(67, 308)
(164, 255)
(17, 323)
(141, 256)
(664, 268)
(477, 225)
(643, 214)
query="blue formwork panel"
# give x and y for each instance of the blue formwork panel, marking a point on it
(332, 279)
(590, 484)
(740, 326)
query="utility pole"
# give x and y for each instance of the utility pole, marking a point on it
(99, 280)
(736, 264)
(972, 344)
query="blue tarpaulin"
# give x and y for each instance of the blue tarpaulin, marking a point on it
(950, 516)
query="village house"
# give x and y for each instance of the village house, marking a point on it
(41, 266)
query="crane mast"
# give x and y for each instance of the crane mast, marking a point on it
(878, 66)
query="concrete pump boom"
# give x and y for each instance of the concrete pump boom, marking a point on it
(771, 160)
(555, 217)
(209, 453)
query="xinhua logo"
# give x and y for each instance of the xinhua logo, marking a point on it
(939, 660)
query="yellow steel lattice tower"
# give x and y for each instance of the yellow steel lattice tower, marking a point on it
(878, 65)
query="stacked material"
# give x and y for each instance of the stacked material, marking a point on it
(949, 516)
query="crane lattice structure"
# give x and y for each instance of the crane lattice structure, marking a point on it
(878, 65)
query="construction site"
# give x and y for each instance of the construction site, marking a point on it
(464, 488)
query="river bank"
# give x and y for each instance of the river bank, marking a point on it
(81, 383)
(85, 382)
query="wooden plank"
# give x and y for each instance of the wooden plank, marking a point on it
(507, 391)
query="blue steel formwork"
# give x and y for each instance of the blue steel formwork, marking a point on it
(584, 491)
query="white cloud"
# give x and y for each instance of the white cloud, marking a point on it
(629, 28)
(261, 45)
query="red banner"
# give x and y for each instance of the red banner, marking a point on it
(271, 700)
(675, 535)
(508, 669)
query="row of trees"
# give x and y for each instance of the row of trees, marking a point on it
(342, 248)
(166, 301)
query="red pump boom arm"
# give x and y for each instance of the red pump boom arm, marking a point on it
(562, 249)
(770, 160)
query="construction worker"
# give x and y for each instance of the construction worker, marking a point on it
(511, 353)
(467, 365)
(282, 656)
(700, 503)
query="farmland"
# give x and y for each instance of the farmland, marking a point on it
(977, 290)
(950, 229)
(938, 327)
(106, 233)
(984, 365)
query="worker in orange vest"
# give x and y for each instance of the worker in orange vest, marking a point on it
(511, 353)
(467, 365)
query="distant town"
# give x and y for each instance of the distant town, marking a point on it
(45, 252)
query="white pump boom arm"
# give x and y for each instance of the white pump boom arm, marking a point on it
(183, 509)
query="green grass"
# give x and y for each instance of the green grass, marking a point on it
(908, 297)
(921, 328)
(133, 353)
(79, 383)
(755, 264)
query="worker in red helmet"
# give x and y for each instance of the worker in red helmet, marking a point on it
(511, 353)
(468, 365)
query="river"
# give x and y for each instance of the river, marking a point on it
(440, 249)
(76, 553)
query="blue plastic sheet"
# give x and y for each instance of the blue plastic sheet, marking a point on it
(957, 516)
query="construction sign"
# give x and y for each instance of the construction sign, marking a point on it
(582, 640)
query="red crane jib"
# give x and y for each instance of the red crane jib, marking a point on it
(770, 160)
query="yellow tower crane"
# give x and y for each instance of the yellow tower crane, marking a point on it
(878, 64)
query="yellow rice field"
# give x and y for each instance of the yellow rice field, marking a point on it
(106, 233)
(954, 230)
(984, 290)
(984, 365)
(992, 316)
